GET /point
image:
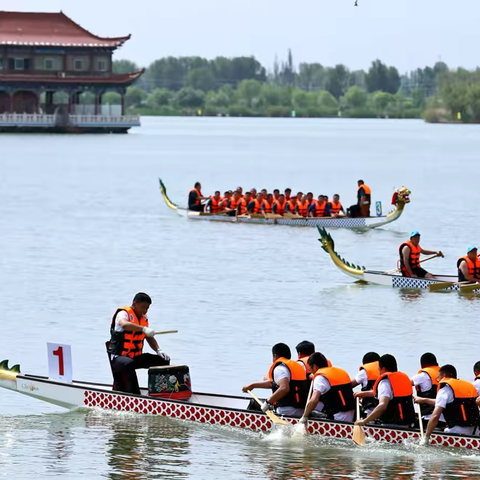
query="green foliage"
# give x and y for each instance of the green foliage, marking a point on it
(188, 97)
(382, 78)
(355, 97)
(201, 78)
(124, 66)
(134, 96)
(111, 98)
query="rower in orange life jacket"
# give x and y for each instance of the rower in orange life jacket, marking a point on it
(456, 399)
(195, 198)
(303, 207)
(366, 377)
(425, 382)
(214, 202)
(393, 390)
(364, 199)
(334, 208)
(128, 329)
(288, 381)
(279, 206)
(233, 204)
(410, 257)
(291, 206)
(469, 266)
(288, 193)
(267, 204)
(332, 394)
(317, 208)
(257, 208)
(243, 203)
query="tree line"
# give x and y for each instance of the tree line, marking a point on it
(241, 86)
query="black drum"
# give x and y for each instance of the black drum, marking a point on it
(170, 381)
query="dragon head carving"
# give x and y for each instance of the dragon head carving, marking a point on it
(8, 373)
(401, 196)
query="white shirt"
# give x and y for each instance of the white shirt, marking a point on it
(423, 381)
(362, 378)
(385, 389)
(322, 385)
(280, 372)
(476, 384)
(123, 315)
(444, 397)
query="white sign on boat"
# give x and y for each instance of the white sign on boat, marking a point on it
(60, 362)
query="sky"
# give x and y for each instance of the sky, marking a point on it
(404, 33)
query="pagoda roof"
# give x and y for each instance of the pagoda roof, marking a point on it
(49, 29)
(113, 79)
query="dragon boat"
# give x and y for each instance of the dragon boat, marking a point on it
(391, 278)
(205, 408)
(400, 198)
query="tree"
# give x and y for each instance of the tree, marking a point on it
(382, 78)
(188, 97)
(355, 97)
(248, 93)
(275, 95)
(201, 78)
(159, 98)
(327, 101)
(124, 66)
(311, 77)
(381, 102)
(337, 80)
(473, 96)
(134, 96)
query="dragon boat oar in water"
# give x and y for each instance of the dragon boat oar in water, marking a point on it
(400, 198)
(208, 408)
(393, 278)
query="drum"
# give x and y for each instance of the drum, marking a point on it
(170, 381)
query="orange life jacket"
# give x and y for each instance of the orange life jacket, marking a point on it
(292, 207)
(304, 360)
(267, 207)
(199, 194)
(279, 207)
(233, 203)
(129, 344)
(340, 396)
(215, 205)
(303, 209)
(319, 208)
(372, 375)
(242, 205)
(335, 208)
(299, 384)
(432, 372)
(400, 410)
(258, 207)
(463, 411)
(414, 259)
(473, 268)
(367, 191)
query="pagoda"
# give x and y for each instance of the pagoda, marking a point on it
(54, 74)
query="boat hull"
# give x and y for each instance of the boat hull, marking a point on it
(207, 408)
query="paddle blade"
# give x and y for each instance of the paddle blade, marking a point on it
(436, 287)
(275, 419)
(470, 288)
(358, 435)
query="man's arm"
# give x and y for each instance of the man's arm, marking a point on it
(312, 403)
(251, 386)
(129, 326)
(424, 401)
(283, 389)
(354, 383)
(153, 343)
(431, 252)
(366, 394)
(377, 412)
(434, 418)
(406, 260)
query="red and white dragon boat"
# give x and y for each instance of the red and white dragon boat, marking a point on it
(200, 407)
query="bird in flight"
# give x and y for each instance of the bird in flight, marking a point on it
(356, 3)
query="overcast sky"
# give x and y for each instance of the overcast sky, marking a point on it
(404, 33)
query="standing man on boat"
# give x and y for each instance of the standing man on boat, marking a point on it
(288, 381)
(393, 390)
(332, 393)
(469, 266)
(364, 199)
(410, 257)
(195, 198)
(128, 330)
(456, 400)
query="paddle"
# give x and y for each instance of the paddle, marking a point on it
(270, 414)
(358, 433)
(435, 287)
(421, 261)
(300, 427)
(163, 332)
(469, 288)
(420, 422)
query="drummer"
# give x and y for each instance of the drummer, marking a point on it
(410, 257)
(128, 330)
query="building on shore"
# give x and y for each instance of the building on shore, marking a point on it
(54, 74)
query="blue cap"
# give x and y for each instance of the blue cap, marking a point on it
(413, 233)
(470, 248)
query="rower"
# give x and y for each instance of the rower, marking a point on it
(304, 350)
(364, 199)
(279, 205)
(426, 384)
(288, 382)
(243, 203)
(456, 400)
(264, 193)
(256, 205)
(213, 203)
(366, 377)
(253, 192)
(393, 390)
(276, 194)
(332, 394)
(317, 207)
(335, 208)
(291, 206)
(469, 266)
(288, 194)
(267, 204)
(195, 198)
(476, 372)
(225, 199)
(410, 257)
(128, 330)
(233, 203)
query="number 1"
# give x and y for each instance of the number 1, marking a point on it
(59, 353)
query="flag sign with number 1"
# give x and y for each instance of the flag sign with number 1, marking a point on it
(59, 362)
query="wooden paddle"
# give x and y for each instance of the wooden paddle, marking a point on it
(358, 433)
(163, 332)
(420, 422)
(421, 261)
(469, 288)
(271, 415)
(435, 287)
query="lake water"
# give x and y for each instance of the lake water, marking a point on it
(83, 228)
